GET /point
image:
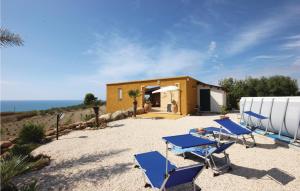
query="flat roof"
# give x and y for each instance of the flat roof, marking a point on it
(168, 78)
(148, 80)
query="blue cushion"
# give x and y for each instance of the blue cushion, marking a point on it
(258, 116)
(188, 140)
(223, 147)
(234, 128)
(183, 175)
(154, 165)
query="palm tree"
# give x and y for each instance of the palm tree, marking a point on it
(134, 94)
(8, 38)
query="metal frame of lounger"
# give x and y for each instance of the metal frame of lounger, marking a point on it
(209, 157)
(162, 188)
(249, 121)
(243, 116)
(236, 136)
(258, 124)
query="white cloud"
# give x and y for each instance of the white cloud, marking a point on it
(212, 46)
(292, 44)
(293, 37)
(255, 34)
(117, 58)
(270, 57)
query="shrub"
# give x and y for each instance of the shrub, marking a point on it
(10, 168)
(23, 150)
(223, 110)
(30, 187)
(88, 117)
(31, 133)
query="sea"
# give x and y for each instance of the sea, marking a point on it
(30, 105)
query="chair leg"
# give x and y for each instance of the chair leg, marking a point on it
(254, 143)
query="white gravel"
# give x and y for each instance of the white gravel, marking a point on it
(103, 159)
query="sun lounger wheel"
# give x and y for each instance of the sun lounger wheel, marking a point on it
(147, 185)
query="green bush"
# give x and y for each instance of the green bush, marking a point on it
(88, 117)
(253, 87)
(31, 133)
(23, 150)
(10, 168)
(30, 187)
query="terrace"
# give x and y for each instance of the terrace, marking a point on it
(103, 159)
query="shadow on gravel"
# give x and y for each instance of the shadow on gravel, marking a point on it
(280, 176)
(89, 169)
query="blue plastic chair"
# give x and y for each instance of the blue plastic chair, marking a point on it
(153, 164)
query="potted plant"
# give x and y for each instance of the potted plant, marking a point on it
(134, 94)
(174, 106)
(223, 111)
(147, 106)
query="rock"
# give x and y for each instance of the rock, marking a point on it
(41, 163)
(50, 132)
(66, 131)
(89, 123)
(13, 139)
(117, 115)
(5, 144)
(50, 137)
(140, 110)
(106, 117)
(93, 120)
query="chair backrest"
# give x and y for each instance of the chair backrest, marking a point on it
(183, 175)
(223, 147)
(232, 126)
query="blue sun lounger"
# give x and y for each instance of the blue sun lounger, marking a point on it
(153, 164)
(235, 130)
(258, 117)
(207, 154)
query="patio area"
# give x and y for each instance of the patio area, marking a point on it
(103, 159)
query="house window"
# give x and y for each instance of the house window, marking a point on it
(120, 94)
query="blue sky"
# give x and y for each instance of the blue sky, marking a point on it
(75, 47)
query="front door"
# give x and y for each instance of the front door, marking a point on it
(204, 99)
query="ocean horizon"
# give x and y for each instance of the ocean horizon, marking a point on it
(31, 105)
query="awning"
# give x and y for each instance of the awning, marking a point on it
(166, 89)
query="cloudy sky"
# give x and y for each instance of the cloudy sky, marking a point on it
(75, 47)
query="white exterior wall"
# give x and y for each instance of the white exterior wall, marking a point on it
(217, 98)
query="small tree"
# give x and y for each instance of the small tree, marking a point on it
(90, 99)
(134, 94)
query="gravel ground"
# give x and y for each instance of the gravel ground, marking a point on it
(103, 159)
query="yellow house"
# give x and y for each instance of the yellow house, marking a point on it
(191, 95)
